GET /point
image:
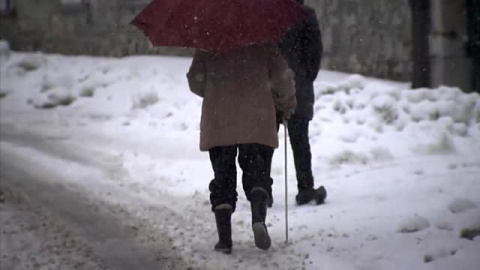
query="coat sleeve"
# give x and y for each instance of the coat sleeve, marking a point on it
(313, 45)
(197, 74)
(282, 82)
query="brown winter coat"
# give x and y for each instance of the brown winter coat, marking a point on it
(240, 90)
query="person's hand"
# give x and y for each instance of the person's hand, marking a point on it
(200, 77)
(287, 115)
(284, 116)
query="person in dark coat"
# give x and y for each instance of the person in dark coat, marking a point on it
(302, 47)
(241, 89)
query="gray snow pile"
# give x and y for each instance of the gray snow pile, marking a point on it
(429, 121)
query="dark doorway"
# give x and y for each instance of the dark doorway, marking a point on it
(473, 45)
(421, 49)
(6, 7)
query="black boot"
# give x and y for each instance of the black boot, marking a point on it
(305, 196)
(258, 203)
(270, 195)
(223, 213)
(270, 200)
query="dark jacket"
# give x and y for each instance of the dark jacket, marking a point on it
(237, 89)
(302, 48)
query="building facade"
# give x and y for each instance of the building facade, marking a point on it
(91, 27)
(372, 38)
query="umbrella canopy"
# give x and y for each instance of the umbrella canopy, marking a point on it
(217, 25)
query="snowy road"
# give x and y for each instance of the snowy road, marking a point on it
(33, 238)
(114, 241)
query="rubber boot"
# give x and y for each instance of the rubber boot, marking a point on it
(305, 196)
(258, 203)
(270, 201)
(223, 213)
(270, 195)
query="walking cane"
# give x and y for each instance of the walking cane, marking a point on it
(285, 123)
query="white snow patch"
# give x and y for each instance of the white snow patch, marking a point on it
(4, 50)
(459, 205)
(145, 100)
(414, 224)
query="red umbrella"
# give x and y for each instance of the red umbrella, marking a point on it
(217, 25)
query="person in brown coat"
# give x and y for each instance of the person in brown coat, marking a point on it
(241, 89)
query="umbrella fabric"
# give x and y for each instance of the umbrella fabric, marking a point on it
(217, 25)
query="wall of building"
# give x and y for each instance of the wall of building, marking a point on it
(93, 27)
(448, 38)
(367, 37)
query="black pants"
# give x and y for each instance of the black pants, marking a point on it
(302, 155)
(255, 161)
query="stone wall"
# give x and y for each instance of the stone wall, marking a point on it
(92, 27)
(451, 64)
(370, 37)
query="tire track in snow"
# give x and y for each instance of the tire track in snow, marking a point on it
(111, 239)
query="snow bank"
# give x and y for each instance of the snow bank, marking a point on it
(459, 205)
(414, 224)
(4, 50)
(428, 121)
(379, 106)
(357, 120)
(4, 56)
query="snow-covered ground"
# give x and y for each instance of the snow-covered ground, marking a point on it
(401, 166)
(33, 239)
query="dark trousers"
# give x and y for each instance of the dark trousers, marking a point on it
(254, 160)
(302, 155)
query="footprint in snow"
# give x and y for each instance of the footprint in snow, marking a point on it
(459, 205)
(444, 225)
(453, 166)
(414, 224)
(419, 172)
(439, 254)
